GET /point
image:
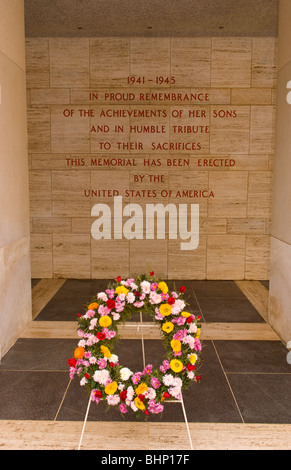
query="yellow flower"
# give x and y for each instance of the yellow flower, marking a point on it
(176, 365)
(139, 404)
(163, 286)
(105, 351)
(105, 321)
(93, 306)
(111, 388)
(141, 388)
(192, 358)
(121, 290)
(176, 345)
(79, 353)
(165, 309)
(185, 314)
(198, 332)
(167, 326)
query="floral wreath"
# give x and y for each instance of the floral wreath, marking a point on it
(97, 366)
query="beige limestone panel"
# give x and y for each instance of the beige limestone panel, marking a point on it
(69, 134)
(213, 225)
(109, 258)
(264, 62)
(250, 162)
(148, 255)
(191, 61)
(111, 183)
(187, 264)
(45, 96)
(284, 55)
(150, 57)
(225, 256)
(106, 129)
(39, 130)
(260, 194)
(83, 96)
(257, 257)
(231, 62)
(262, 130)
(69, 62)
(248, 96)
(230, 194)
(71, 254)
(230, 130)
(190, 187)
(41, 253)
(37, 63)
(68, 197)
(109, 62)
(50, 161)
(40, 193)
(259, 205)
(191, 126)
(51, 225)
(280, 289)
(81, 224)
(246, 226)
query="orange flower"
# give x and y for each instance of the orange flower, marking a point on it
(79, 352)
(93, 306)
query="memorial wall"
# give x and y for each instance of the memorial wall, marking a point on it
(151, 153)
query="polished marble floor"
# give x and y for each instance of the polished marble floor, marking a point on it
(245, 381)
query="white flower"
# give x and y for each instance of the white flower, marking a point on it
(114, 358)
(168, 379)
(102, 296)
(192, 328)
(190, 375)
(125, 373)
(82, 343)
(113, 399)
(155, 298)
(130, 298)
(93, 323)
(92, 360)
(178, 306)
(115, 316)
(150, 393)
(101, 376)
(130, 393)
(83, 381)
(133, 407)
(145, 286)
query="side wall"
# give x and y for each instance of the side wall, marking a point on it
(191, 121)
(15, 291)
(280, 279)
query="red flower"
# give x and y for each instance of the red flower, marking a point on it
(171, 300)
(98, 394)
(87, 376)
(112, 364)
(166, 395)
(152, 273)
(118, 278)
(190, 367)
(137, 294)
(141, 397)
(146, 412)
(182, 289)
(198, 377)
(190, 319)
(199, 317)
(72, 362)
(79, 315)
(100, 335)
(110, 303)
(123, 395)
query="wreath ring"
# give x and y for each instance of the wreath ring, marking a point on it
(98, 368)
